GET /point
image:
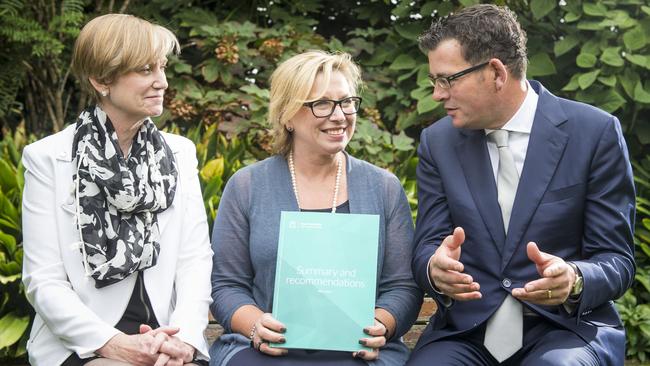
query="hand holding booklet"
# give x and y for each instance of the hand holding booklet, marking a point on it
(326, 279)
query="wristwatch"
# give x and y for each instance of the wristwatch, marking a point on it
(576, 290)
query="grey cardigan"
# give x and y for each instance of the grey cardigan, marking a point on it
(245, 239)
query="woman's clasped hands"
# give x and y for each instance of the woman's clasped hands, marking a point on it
(157, 347)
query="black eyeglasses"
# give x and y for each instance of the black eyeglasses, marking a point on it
(444, 82)
(325, 107)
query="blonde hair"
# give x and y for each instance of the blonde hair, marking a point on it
(292, 82)
(112, 45)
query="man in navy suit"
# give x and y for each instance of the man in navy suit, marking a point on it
(523, 240)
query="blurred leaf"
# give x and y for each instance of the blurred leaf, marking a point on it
(467, 3)
(210, 71)
(612, 57)
(572, 85)
(585, 80)
(641, 94)
(586, 60)
(403, 62)
(540, 8)
(639, 60)
(635, 38)
(596, 10)
(610, 101)
(182, 68)
(541, 65)
(426, 104)
(7, 176)
(213, 168)
(12, 328)
(629, 80)
(402, 142)
(609, 80)
(409, 31)
(565, 45)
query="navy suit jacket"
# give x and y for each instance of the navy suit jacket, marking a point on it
(575, 199)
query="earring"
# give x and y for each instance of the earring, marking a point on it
(104, 93)
(290, 129)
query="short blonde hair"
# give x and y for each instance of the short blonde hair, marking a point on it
(112, 45)
(291, 83)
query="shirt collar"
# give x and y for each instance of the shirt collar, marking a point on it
(522, 120)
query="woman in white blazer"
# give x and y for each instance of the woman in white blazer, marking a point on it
(117, 258)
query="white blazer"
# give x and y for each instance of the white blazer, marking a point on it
(71, 314)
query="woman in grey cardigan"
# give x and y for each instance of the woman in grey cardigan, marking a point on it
(313, 111)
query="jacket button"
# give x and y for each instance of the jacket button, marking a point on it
(506, 282)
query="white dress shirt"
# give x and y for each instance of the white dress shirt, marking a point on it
(519, 127)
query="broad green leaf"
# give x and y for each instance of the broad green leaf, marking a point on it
(405, 121)
(590, 25)
(182, 68)
(635, 38)
(541, 65)
(407, 75)
(7, 176)
(629, 80)
(427, 9)
(639, 60)
(403, 62)
(426, 104)
(256, 91)
(12, 328)
(595, 10)
(540, 8)
(410, 31)
(611, 56)
(213, 188)
(213, 168)
(610, 101)
(467, 3)
(641, 94)
(423, 76)
(585, 80)
(10, 278)
(402, 142)
(211, 71)
(565, 45)
(609, 80)
(620, 19)
(422, 92)
(192, 90)
(9, 242)
(571, 17)
(572, 85)
(586, 60)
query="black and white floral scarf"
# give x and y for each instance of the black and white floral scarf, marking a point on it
(118, 198)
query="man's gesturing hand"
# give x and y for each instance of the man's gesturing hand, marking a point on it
(446, 270)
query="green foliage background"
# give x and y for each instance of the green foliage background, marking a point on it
(596, 51)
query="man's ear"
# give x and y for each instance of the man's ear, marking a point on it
(501, 73)
(100, 87)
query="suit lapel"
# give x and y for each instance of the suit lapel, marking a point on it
(474, 159)
(545, 149)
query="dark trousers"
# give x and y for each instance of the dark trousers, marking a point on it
(543, 344)
(252, 357)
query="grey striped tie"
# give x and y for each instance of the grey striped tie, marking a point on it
(504, 331)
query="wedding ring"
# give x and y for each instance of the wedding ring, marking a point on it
(550, 294)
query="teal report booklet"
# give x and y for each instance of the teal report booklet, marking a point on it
(326, 279)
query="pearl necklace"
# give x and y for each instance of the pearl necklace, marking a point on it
(337, 182)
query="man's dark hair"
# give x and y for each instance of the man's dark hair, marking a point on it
(483, 31)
